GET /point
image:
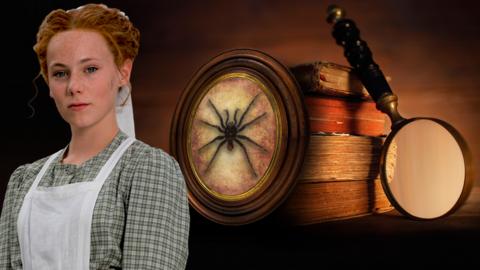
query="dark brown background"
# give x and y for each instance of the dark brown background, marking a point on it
(428, 48)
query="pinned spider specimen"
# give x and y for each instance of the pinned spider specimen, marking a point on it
(230, 132)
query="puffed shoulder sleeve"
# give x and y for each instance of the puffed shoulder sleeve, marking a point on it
(158, 220)
(7, 224)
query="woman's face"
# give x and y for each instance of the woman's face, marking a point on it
(84, 79)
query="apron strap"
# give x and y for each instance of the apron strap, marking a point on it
(43, 170)
(112, 161)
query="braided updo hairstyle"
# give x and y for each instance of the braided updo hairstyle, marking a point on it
(122, 37)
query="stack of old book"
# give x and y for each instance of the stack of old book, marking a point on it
(340, 175)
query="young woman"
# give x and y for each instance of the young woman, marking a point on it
(105, 201)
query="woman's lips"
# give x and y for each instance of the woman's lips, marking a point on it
(78, 106)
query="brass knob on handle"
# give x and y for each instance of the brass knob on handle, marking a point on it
(335, 13)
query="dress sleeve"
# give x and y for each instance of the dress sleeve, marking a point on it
(7, 224)
(157, 215)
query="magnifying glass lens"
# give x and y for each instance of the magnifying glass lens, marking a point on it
(425, 169)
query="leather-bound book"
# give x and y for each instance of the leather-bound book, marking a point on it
(327, 78)
(344, 115)
(339, 180)
(340, 174)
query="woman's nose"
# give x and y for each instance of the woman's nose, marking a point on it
(74, 85)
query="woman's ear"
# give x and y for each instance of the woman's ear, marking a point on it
(125, 71)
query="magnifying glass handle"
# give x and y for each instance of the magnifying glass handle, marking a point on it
(358, 54)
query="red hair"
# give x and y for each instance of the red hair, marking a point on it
(122, 37)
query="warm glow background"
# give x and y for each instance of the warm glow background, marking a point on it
(428, 48)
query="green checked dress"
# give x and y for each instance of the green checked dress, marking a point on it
(141, 217)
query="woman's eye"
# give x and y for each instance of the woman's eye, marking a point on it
(91, 69)
(59, 74)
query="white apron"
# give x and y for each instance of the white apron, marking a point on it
(54, 223)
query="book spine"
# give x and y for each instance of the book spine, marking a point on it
(329, 79)
(306, 76)
(337, 115)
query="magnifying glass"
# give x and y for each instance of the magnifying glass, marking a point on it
(425, 164)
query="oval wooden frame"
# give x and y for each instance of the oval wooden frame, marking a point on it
(293, 127)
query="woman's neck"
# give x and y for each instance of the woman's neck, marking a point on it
(86, 143)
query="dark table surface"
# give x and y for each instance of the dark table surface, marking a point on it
(387, 239)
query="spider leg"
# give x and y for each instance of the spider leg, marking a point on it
(216, 111)
(210, 142)
(246, 110)
(212, 125)
(228, 117)
(246, 155)
(251, 122)
(235, 117)
(214, 155)
(251, 141)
